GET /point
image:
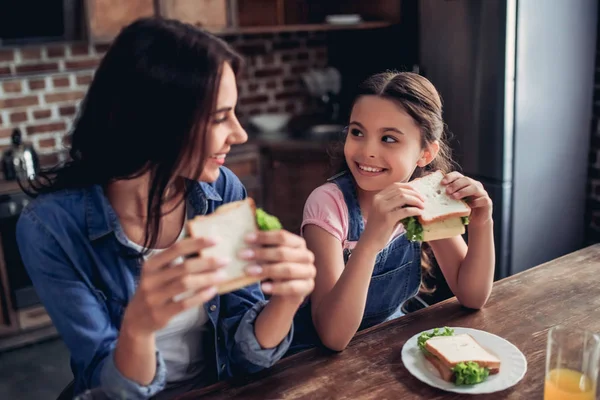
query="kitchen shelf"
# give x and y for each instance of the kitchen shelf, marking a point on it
(301, 28)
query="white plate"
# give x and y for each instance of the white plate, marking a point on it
(513, 364)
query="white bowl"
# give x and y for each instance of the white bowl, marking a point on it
(344, 19)
(270, 122)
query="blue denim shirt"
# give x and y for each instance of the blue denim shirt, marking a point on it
(76, 254)
(396, 275)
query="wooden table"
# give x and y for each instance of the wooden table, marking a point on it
(521, 309)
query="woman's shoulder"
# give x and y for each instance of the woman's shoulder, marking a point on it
(52, 212)
(66, 200)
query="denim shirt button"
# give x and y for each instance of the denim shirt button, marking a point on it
(213, 308)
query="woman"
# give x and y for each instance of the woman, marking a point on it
(104, 241)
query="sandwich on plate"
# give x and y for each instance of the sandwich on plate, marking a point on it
(443, 217)
(459, 359)
(231, 223)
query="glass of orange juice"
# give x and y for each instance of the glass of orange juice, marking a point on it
(572, 363)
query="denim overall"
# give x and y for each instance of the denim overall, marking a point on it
(396, 275)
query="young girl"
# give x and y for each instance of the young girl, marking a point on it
(104, 242)
(366, 267)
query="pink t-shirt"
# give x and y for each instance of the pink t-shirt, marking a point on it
(327, 209)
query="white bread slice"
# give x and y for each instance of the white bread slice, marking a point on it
(443, 229)
(445, 372)
(231, 223)
(438, 205)
(451, 350)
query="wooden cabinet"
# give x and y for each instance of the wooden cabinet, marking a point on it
(106, 18)
(260, 12)
(254, 16)
(245, 163)
(280, 177)
(289, 178)
(210, 14)
(286, 12)
(8, 320)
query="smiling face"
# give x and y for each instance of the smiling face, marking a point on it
(384, 144)
(223, 130)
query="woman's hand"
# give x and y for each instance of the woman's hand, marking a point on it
(282, 259)
(461, 187)
(390, 206)
(153, 303)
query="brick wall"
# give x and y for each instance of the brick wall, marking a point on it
(40, 89)
(271, 81)
(593, 208)
(42, 86)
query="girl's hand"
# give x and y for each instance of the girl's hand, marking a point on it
(461, 187)
(390, 206)
(153, 304)
(282, 258)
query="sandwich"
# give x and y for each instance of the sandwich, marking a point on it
(459, 359)
(443, 217)
(232, 222)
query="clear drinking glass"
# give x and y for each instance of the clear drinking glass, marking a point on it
(572, 363)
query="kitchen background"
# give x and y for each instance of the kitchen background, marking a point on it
(507, 85)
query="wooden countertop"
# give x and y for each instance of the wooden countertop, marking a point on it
(521, 309)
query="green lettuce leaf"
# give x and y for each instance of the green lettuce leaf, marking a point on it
(465, 220)
(414, 230)
(469, 373)
(267, 222)
(425, 336)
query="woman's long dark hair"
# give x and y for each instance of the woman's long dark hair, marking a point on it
(147, 110)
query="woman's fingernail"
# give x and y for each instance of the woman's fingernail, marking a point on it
(247, 254)
(222, 261)
(267, 286)
(210, 241)
(251, 237)
(254, 270)
(221, 275)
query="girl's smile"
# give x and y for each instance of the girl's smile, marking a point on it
(369, 170)
(383, 145)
